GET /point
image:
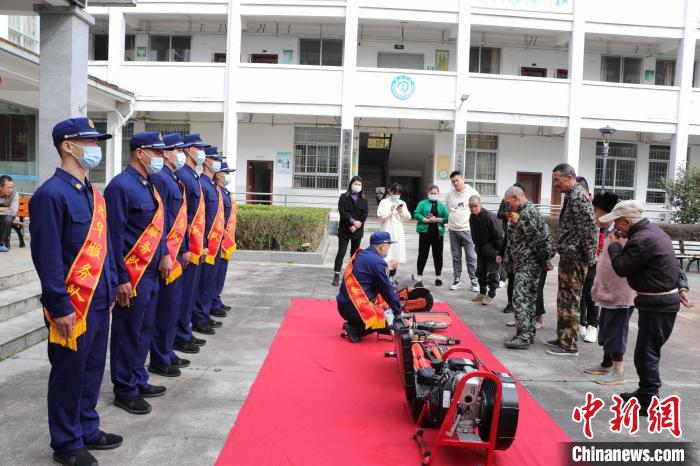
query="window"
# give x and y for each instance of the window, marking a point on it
(659, 157)
(169, 128)
(379, 141)
(129, 47)
(619, 169)
(99, 173)
(127, 134)
(665, 71)
(480, 164)
(18, 145)
(484, 60)
(316, 157)
(100, 47)
(24, 31)
(326, 52)
(170, 48)
(622, 69)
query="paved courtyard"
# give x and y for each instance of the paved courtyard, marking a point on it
(189, 425)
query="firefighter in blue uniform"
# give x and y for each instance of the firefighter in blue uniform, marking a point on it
(163, 360)
(131, 208)
(223, 178)
(61, 211)
(201, 319)
(194, 147)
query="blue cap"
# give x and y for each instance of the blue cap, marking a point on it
(225, 168)
(195, 140)
(381, 237)
(76, 128)
(174, 140)
(212, 152)
(148, 140)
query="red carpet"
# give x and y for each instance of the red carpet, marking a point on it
(320, 400)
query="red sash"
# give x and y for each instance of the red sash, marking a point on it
(228, 243)
(197, 231)
(141, 254)
(175, 238)
(217, 231)
(373, 316)
(84, 274)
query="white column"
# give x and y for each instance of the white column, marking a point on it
(572, 138)
(113, 164)
(684, 79)
(233, 58)
(117, 34)
(347, 115)
(459, 135)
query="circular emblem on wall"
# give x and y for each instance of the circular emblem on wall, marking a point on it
(402, 87)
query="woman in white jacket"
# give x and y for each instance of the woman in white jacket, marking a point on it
(392, 211)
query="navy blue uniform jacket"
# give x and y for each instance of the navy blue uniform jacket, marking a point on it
(370, 270)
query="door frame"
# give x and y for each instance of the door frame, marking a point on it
(250, 178)
(538, 191)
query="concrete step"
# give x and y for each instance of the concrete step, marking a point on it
(17, 278)
(21, 332)
(18, 300)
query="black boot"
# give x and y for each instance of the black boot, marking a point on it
(80, 457)
(336, 279)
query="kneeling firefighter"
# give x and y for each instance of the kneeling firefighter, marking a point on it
(365, 280)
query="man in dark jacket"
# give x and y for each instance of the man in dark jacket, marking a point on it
(487, 235)
(652, 270)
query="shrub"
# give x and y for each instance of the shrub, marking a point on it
(553, 224)
(684, 195)
(264, 227)
(676, 231)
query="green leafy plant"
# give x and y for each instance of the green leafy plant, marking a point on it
(284, 228)
(684, 195)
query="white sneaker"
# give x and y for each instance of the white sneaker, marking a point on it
(581, 331)
(475, 288)
(456, 285)
(501, 284)
(591, 334)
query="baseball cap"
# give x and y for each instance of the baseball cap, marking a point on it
(212, 152)
(73, 128)
(195, 140)
(381, 237)
(626, 209)
(148, 140)
(225, 168)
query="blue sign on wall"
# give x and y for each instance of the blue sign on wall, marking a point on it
(402, 87)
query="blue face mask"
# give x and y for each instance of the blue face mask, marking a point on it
(228, 179)
(92, 156)
(200, 157)
(395, 197)
(154, 166)
(215, 166)
(180, 162)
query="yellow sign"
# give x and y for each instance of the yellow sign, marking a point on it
(442, 167)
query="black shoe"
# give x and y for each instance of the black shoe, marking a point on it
(351, 334)
(214, 323)
(198, 341)
(180, 363)
(336, 279)
(226, 307)
(189, 348)
(626, 396)
(438, 282)
(135, 405)
(105, 442)
(419, 284)
(80, 457)
(218, 313)
(152, 391)
(167, 371)
(508, 309)
(204, 329)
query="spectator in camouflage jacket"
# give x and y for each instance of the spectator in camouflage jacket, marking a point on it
(530, 248)
(577, 250)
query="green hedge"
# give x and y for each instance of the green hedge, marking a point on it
(676, 231)
(264, 227)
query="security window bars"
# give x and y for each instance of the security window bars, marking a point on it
(659, 157)
(169, 128)
(620, 169)
(484, 60)
(481, 162)
(316, 157)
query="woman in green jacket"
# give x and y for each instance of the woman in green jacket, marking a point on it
(431, 215)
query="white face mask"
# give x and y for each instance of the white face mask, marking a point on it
(433, 197)
(356, 188)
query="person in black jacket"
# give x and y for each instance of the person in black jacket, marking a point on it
(487, 235)
(649, 264)
(353, 210)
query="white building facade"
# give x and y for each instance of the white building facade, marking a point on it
(303, 94)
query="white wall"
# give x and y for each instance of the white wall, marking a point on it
(368, 50)
(513, 58)
(204, 46)
(268, 44)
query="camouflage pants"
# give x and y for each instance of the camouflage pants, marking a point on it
(572, 274)
(524, 297)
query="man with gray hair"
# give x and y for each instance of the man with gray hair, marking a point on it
(9, 202)
(532, 248)
(649, 263)
(487, 235)
(577, 250)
